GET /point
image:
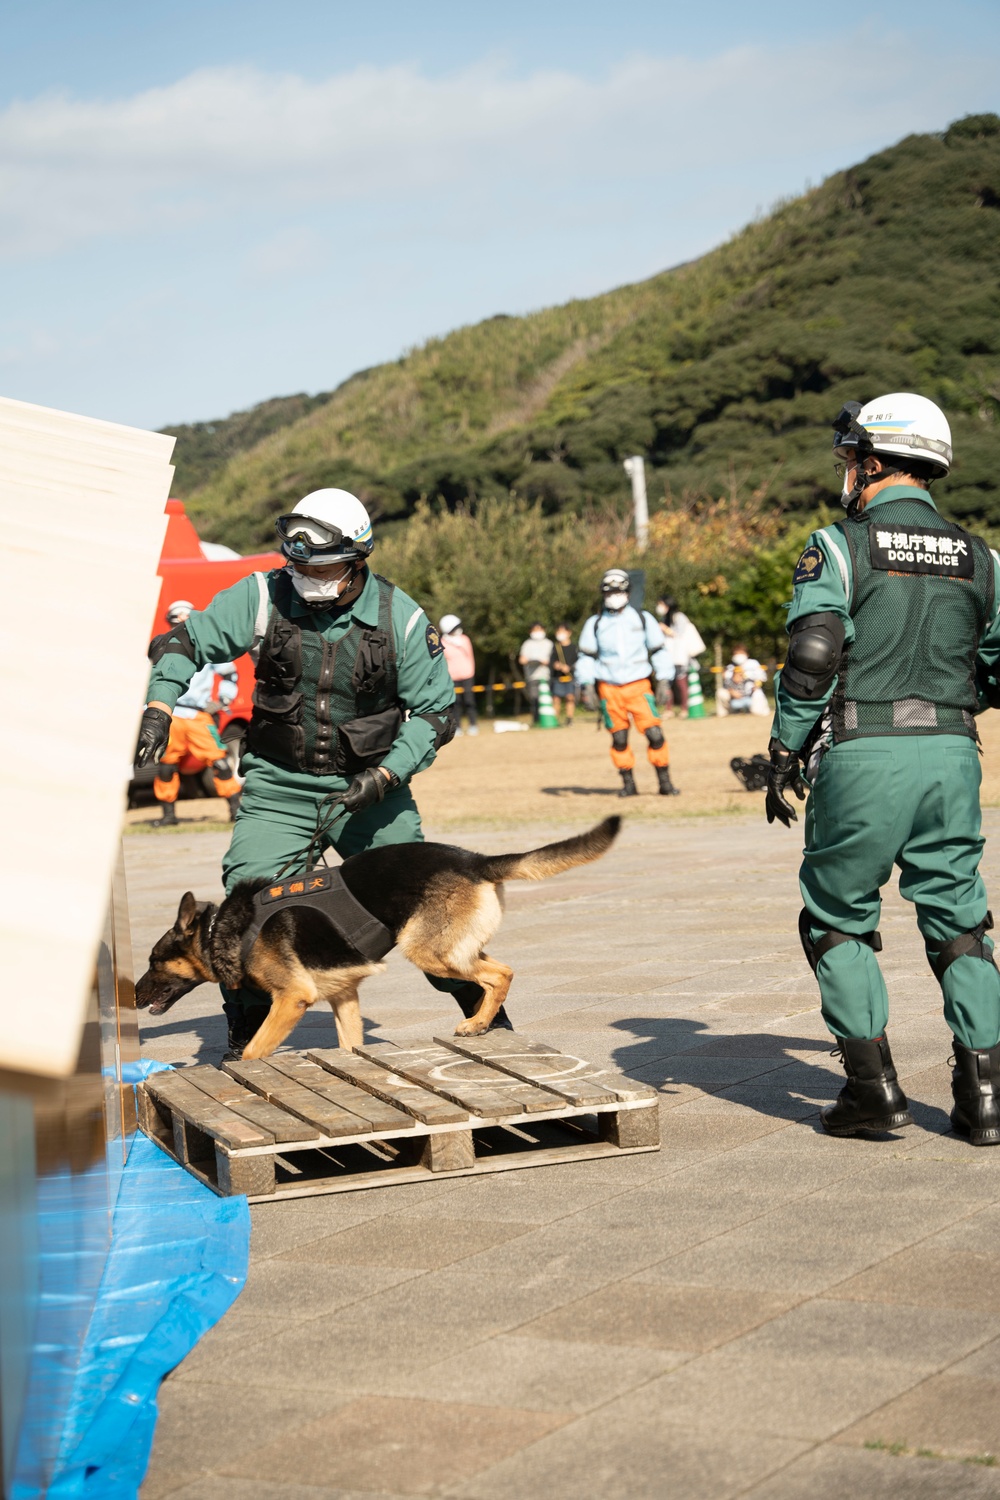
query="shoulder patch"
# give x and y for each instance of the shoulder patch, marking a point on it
(434, 645)
(809, 566)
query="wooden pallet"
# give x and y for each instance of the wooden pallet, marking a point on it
(329, 1121)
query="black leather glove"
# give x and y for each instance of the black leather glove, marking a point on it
(784, 775)
(368, 787)
(154, 732)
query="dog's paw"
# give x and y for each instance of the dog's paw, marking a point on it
(471, 1027)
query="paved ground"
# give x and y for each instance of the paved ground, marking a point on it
(754, 1311)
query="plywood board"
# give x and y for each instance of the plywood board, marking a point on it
(81, 527)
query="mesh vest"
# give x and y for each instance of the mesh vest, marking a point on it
(923, 592)
(314, 698)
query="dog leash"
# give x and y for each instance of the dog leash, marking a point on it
(330, 809)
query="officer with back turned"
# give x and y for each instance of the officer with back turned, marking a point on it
(352, 700)
(894, 646)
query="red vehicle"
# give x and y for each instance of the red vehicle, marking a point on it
(196, 571)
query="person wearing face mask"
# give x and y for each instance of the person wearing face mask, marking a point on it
(352, 699)
(894, 647)
(620, 651)
(686, 645)
(535, 656)
(741, 690)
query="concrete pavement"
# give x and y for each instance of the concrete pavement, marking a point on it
(756, 1310)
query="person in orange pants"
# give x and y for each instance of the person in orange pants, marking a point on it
(194, 741)
(621, 650)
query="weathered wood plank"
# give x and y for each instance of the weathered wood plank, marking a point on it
(253, 1175)
(392, 1087)
(264, 1079)
(628, 1128)
(485, 1091)
(225, 1090)
(184, 1099)
(576, 1080)
(374, 1112)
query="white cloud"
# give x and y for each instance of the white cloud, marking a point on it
(229, 140)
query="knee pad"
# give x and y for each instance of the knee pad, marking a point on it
(654, 736)
(165, 773)
(814, 951)
(619, 740)
(966, 945)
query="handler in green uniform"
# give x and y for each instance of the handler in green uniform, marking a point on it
(894, 644)
(352, 700)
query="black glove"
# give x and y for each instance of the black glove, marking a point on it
(783, 775)
(154, 732)
(368, 787)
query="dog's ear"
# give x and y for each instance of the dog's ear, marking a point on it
(187, 913)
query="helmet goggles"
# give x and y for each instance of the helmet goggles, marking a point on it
(850, 439)
(304, 540)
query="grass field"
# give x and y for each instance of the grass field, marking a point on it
(566, 776)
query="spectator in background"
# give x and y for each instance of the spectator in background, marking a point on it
(535, 657)
(461, 660)
(686, 645)
(564, 658)
(742, 688)
(194, 738)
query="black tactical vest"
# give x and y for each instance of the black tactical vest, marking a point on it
(326, 707)
(923, 593)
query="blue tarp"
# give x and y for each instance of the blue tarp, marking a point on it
(178, 1260)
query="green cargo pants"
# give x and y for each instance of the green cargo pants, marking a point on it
(911, 801)
(276, 819)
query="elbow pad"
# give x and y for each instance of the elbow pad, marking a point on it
(814, 651)
(444, 727)
(174, 642)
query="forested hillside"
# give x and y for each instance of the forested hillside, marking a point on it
(725, 373)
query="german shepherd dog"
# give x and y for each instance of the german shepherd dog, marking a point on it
(442, 905)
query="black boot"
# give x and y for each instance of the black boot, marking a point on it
(168, 816)
(467, 996)
(871, 1101)
(974, 1086)
(667, 788)
(234, 806)
(244, 1023)
(629, 788)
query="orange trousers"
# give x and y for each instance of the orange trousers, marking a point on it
(633, 701)
(198, 740)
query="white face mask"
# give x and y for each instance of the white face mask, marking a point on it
(615, 601)
(537, 635)
(661, 610)
(318, 590)
(739, 658)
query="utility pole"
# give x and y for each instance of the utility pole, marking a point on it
(635, 468)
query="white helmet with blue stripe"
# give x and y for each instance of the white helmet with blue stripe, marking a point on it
(900, 426)
(326, 526)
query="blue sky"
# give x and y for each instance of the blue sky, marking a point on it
(206, 204)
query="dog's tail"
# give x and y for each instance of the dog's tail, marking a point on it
(536, 864)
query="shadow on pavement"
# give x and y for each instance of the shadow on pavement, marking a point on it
(677, 1050)
(580, 791)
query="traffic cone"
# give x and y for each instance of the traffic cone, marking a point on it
(546, 709)
(696, 703)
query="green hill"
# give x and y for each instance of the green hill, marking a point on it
(725, 373)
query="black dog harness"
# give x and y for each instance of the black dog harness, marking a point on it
(321, 890)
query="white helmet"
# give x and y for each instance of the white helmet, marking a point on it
(448, 623)
(326, 526)
(178, 611)
(898, 427)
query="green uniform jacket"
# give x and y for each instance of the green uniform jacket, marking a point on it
(831, 591)
(236, 621)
